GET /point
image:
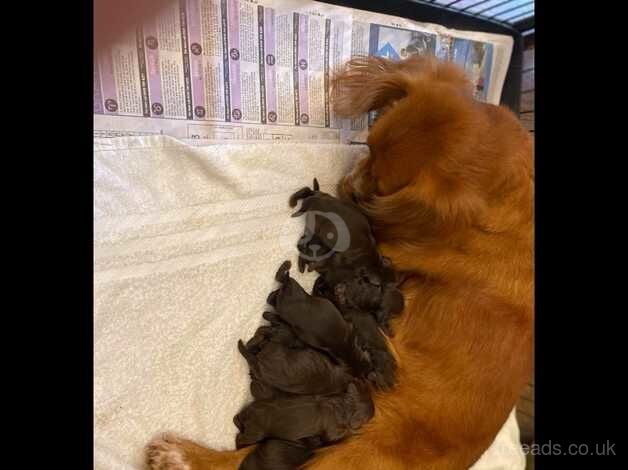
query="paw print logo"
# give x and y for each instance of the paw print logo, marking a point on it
(324, 234)
(196, 48)
(234, 54)
(236, 114)
(272, 116)
(305, 118)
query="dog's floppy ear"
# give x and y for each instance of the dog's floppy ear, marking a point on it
(367, 84)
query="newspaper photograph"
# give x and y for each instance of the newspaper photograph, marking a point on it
(250, 70)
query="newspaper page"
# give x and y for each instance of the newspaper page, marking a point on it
(250, 70)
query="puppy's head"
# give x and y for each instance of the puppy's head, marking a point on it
(332, 226)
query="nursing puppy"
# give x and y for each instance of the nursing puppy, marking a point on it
(303, 371)
(317, 322)
(338, 244)
(324, 418)
(362, 288)
(448, 189)
(368, 331)
(372, 340)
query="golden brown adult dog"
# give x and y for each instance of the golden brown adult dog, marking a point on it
(448, 188)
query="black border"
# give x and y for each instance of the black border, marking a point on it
(50, 124)
(580, 187)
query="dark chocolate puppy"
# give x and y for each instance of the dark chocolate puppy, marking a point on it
(278, 333)
(332, 226)
(301, 371)
(371, 337)
(338, 244)
(276, 454)
(317, 322)
(329, 418)
(361, 288)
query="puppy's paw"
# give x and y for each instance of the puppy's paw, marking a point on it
(167, 452)
(340, 293)
(384, 369)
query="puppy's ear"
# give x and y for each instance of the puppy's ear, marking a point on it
(366, 84)
(393, 301)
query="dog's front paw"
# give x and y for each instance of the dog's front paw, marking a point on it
(166, 452)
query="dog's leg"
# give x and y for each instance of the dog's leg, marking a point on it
(169, 452)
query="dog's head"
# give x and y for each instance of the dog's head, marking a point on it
(434, 150)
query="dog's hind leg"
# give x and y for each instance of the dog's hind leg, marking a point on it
(169, 452)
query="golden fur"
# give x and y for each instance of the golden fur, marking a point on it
(448, 188)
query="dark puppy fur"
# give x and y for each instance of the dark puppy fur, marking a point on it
(326, 419)
(340, 226)
(276, 454)
(364, 288)
(372, 339)
(303, 371)
(368, 330)
(317, 322)
(338, 244)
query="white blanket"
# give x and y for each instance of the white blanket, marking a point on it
(187, 240)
